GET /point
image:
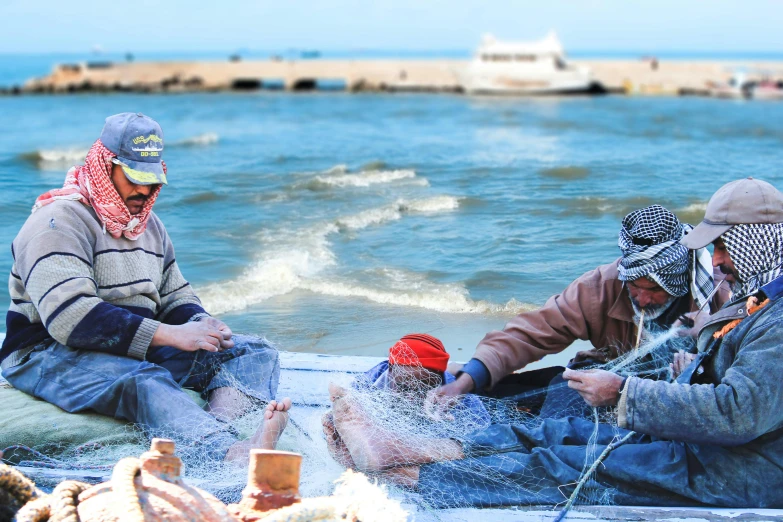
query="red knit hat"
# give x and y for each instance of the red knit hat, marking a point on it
(419, 350)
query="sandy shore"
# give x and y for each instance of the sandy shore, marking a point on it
(635, 76)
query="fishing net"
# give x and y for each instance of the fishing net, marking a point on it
(390, 409)
(395, 426)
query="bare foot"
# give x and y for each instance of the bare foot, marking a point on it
(267, 435)
(374, 448)
(275, 421)
(371, 448)
(335, 444)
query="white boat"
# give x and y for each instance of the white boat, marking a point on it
(530, 68)
(305, 378)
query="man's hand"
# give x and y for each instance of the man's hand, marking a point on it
(226, 342)
(682, 360)
(188, 337)
(443, 398)
(597, 387)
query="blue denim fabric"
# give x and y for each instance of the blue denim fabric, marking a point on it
(717, 441)
(509, 465)
(149, 393)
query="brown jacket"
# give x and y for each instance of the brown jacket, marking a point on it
(596, 308)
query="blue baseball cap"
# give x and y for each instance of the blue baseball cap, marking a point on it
(137, 140)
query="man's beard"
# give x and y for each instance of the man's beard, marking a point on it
(651, 312)
(733, 273)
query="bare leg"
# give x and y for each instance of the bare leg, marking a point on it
(374, 449)
(226, 404)
(335, 444)
(267, 435)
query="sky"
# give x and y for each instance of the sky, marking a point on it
(45, 26)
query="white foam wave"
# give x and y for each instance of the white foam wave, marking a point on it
(200, 140)
(448, 298)
(297, 259)
(341, 168)
(70, 155)
(365, 179)
(694, 207)
(395, 211)
(289, 259)
(434, 204)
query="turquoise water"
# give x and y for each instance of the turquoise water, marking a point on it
(337, 223)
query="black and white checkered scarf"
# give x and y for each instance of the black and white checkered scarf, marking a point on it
(650, 243)
(757, 253)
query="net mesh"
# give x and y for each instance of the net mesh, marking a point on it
(392, 411)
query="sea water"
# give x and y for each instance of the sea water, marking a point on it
(336, 223)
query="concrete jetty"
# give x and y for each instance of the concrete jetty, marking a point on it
(630, 76)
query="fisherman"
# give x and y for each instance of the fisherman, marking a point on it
(713, 437)
(646, 290)
(102, 319)
(417, 363)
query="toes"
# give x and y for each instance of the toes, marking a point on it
(335, 391)
(271, 405)
(286, 404)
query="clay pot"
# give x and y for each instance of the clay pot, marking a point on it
(272, 483)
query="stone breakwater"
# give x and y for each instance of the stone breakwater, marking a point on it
(630, 76)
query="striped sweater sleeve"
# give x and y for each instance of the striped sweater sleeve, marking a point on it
(55, 267)
(178, 302)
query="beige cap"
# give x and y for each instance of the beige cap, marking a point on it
(744, 201)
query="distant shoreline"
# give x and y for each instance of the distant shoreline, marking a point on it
(638, 76)
(17, 68)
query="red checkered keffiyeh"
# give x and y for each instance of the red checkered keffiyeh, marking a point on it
(91, 185)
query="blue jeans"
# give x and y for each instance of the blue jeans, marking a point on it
(509, 465)
(149, 393)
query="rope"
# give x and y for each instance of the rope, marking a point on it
(123, 485)
(614, 445)
(36, 511)
(64, 500)
(17, 487)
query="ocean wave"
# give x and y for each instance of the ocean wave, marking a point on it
(289, 259)
(408, 290)
(59, 157)
(450, 298)
(360, 179)
(693, 213)
(200, 140)
(395, 211)
(297, 259)
(56, 157)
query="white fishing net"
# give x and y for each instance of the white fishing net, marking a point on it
(389, 410)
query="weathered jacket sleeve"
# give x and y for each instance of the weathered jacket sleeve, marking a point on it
(178, 302)
(54, 263)
(747, 403)
(530, 336)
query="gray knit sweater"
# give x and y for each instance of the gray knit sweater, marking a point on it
(73, 283)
